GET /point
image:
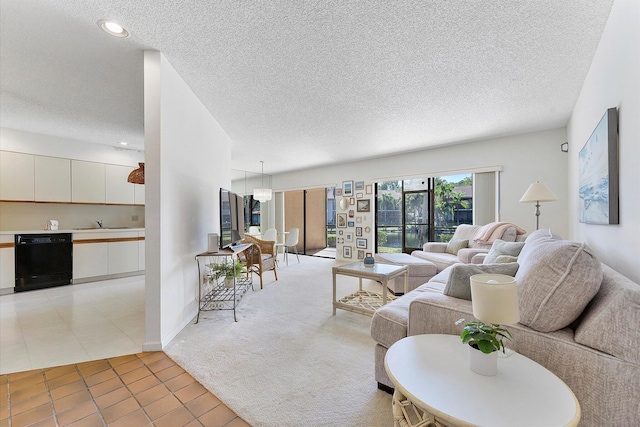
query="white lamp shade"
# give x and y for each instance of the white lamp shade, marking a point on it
(262, 194)
(495, 299)
(538, 192)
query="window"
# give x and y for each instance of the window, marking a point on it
(411, 212)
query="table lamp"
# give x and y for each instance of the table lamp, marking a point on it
(536, 193)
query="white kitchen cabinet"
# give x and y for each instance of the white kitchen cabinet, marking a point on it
(16, 176)
(90, 253)
(138, 194)
(52, 179)
(87, 182)
(7, 265)
(107, 252)
(141, 250)
(123, 254)
(118, 190)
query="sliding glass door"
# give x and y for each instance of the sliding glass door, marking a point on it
(411, 212)
(417, 203)
(312, 212)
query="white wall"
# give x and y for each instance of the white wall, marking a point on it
(612, 81)
(53, 146)
(185, 147)
(523, 158)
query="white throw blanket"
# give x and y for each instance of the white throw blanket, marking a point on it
(494, 230)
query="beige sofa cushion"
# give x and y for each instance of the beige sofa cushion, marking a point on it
(616, 307)
(455, 245)
(556, 280)
(502, 251)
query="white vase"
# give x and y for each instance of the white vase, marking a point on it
(228, 282)
(482, 363)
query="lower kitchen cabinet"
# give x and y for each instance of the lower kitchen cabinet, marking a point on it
(106, 253)
(141, 250)
(89, 260)
(7, 264)
(123, 256)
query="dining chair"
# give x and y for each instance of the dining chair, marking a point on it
(271, 234)
(290, 241)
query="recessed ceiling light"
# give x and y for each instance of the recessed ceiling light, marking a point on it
(113, 28)
(124, 143)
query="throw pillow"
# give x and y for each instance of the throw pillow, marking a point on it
(501, 248)
(455, 245)
(556, 280)
(458, 284)
(505, 258)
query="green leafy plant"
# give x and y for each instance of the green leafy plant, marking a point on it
(227, 269)
(485, 337)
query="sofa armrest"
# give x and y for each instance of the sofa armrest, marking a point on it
(465, 255)
(437, 247)
(478, 258)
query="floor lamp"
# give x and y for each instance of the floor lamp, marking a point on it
(537, 193)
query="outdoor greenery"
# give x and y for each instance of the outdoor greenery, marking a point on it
(448, 205)
(447, 200)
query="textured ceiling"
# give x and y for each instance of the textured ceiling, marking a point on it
(303, 83)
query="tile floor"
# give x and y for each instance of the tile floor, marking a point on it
(145, 389)
(71, 324)
(71, 355)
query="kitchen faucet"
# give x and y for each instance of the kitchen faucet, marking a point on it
(99, 222)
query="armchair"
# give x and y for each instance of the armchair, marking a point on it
(260, 257)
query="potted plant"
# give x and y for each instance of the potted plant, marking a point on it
(228, 270)
(484, 340)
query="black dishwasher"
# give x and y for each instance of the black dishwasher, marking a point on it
(43, 260)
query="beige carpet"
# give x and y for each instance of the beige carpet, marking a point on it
(288, 361)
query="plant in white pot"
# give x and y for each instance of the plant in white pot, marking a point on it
(484, 340)
(228, 270)
(485, 337)
(495, 301)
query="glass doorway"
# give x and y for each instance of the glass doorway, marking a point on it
(412, 212)
(313, 213)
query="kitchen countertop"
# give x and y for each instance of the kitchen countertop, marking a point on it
(73, 231)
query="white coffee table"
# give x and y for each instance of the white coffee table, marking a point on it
(433, 384)
(364, 301)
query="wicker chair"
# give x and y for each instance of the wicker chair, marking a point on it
(260, 257)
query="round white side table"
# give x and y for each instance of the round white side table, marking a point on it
(434, 386)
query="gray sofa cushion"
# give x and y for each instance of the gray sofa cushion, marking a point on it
(458, 284)
(502, 251)
(617, 307)
(553, 272)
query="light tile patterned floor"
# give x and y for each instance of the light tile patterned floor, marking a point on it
(145, 389)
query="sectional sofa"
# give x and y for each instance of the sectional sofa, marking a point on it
(579, 318)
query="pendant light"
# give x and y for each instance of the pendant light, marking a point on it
(137, 175)
(262, 194)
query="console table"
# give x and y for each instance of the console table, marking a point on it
(213, 294)
(367, 302)
(434, 386)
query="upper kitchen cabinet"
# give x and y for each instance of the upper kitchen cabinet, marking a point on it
(118, 190)
(88, 182)
(16, 176)
(52, 179)
(138, 191)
